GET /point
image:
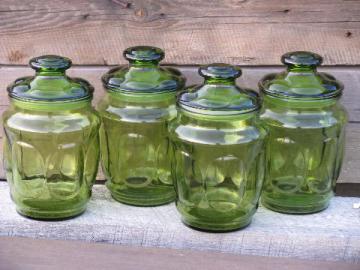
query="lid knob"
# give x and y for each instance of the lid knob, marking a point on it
(219, 95)
(220, 71)
(144, 54)
(50, 63)
(301, 58)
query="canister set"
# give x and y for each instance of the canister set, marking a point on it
(214, 148)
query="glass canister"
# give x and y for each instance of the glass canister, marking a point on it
(136, 109)
(306, 125)
(51, 145)
(218, 143)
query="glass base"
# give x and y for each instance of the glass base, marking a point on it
(207, 219)
(144, 196)
(50, 215)
(216, 227)
(283, 206)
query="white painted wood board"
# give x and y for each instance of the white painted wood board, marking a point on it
(333, 234)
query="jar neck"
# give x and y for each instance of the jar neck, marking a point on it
(141, 99)
(50, 106)
(218, 122)
(290, 103)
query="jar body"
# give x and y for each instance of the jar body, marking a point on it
(51, 159)
(218, 168)
(305, 151)
(135, 147)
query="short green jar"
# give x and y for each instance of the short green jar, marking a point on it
(137, 107)
(306, 125)
(218, 142)
(51, 144)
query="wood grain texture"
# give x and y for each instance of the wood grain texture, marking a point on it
(251, 32)
(332, 235)
(23, 253)
(251, 75)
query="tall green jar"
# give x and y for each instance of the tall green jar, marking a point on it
(135, 112)
(306, 126)
(218, 143)
(51, 146)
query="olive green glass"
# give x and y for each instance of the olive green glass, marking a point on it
(51, 145)
(218, 144)
(306, 127)
(136, 109)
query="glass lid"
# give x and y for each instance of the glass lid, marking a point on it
(143, 74)
(301, 79)
(219, 95)
(50, 83)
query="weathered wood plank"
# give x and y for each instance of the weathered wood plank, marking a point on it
(351, 99)
(332, 235)
(343, 189)
(252, 32)
(23, 253)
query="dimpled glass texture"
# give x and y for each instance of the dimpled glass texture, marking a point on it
(306, 127)
(138, 104)
(51, 146)
(218, 145)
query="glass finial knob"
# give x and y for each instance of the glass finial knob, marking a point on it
(220, 71)
(144, 53)
(50, 63)
(302, 58)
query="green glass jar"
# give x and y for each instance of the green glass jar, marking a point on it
(136, 109)
(51, 145)
(306, 125)
(218, 143)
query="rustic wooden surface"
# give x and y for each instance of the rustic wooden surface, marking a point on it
(350, 76)
(330, 235)
(22, 253)
(250, 32)
(343, 189)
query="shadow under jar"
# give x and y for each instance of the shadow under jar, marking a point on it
(51, 144)
(139, 103)
(306, 125)
(218, 143)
